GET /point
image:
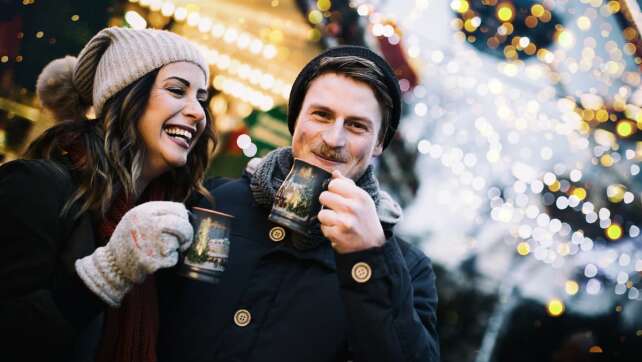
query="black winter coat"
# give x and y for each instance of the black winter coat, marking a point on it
(302, 306)
(46, 312)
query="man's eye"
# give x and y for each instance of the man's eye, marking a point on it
(320, 114)
(359, 126)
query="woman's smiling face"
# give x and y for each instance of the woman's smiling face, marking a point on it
(174, 117)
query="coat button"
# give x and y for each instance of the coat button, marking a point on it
(277, 234)
(242, 317)
(361, 272)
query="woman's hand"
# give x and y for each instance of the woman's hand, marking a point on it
(147, 238)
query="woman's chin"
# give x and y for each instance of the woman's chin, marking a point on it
(176, 160)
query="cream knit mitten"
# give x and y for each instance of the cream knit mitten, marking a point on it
(147, 238)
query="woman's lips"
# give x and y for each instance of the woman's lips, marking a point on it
(179, 141)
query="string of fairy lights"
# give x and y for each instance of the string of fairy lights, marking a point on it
(525, 155)
(235, 77)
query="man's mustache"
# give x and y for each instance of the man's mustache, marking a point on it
(331, 153)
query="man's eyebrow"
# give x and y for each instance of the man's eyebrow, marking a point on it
(187, 84)
(321, 107)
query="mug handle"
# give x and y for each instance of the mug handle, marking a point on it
(324, 187)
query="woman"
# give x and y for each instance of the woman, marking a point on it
(82, 229)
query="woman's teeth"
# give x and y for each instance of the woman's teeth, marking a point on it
(179, 132)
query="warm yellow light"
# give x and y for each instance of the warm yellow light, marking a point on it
(613, 6)
(531, 49)
(555, 308)
(566, 38)
(510, 52)
(324, 5)
(602, 115)
(584, 128)
(595, 349)
(314, 35)
(607, 160)
(615, 193)
(276, 36)
(315, 16)
(505, 12)
(537, 10)
(584, 23)
(588, 115)
(523, 248)
(580, 193)
(531, 21)
(571, 287)
(629, 48)
(545, 55)
(614, 232)
(613, 67)
(555, 186)
(460, 6)
(624, 128)
(75, 17)
(470, 26)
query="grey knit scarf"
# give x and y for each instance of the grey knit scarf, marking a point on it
(268, 175)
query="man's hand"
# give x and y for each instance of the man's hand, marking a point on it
(349, 218)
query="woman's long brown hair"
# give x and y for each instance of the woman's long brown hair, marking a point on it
(107, 153)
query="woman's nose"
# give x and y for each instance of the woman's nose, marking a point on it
(194, 110)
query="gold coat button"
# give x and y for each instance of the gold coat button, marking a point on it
(277, 234)
(361, 272)
(242, 317)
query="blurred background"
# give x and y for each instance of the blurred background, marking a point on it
(517, 160)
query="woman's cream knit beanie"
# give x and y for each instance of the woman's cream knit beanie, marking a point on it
(111, 60)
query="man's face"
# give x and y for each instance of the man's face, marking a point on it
(338, 126)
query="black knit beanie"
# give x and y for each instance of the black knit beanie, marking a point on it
(297, 94)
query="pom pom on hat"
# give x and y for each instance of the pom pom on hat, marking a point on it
(56, 90)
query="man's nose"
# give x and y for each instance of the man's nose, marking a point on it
(334, 134)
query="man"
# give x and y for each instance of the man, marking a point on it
(352, 291)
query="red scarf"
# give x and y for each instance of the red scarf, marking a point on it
(131, 330)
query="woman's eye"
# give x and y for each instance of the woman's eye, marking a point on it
(177, 91)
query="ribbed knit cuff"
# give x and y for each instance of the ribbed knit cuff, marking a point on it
(100, 274)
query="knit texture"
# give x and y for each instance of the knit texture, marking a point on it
(267, 176)
(297, 94)
(146, 239)
(111, 60)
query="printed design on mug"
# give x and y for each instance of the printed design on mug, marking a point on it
(210, 250)
(294, 198)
